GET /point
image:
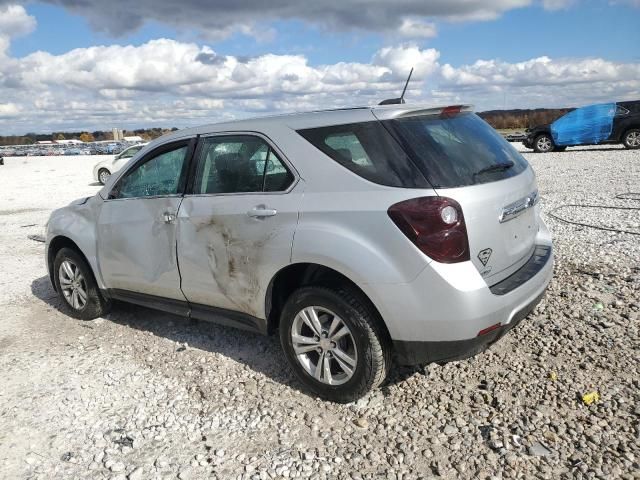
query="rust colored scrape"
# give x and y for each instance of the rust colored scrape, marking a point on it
(232, 270)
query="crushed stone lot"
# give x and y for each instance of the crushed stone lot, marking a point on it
(143, 395)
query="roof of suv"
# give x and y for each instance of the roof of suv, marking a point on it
(317, 118)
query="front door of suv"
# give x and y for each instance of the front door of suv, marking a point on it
(137, 224)
(236, 223)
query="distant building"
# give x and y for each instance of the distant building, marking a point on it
(135, 138)
(73, 141)
(118, 134)
(45, 142)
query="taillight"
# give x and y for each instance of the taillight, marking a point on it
(435, 225)
(451, 111)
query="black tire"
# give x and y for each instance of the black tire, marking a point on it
(95, 305)
(540, 141)
(373, 348)
(101, 172)
(631, 138)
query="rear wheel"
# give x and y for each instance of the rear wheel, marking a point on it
(631, 138)
(333, 342)
(76, 285)
(103, 175)
(543, 143)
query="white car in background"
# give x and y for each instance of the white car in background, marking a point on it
(103, 170)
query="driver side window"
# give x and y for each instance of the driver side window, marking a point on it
(158, 176)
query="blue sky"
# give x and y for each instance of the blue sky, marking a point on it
(92, 62)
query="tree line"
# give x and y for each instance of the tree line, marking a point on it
(521, 119)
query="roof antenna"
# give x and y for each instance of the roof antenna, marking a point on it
(395, 101)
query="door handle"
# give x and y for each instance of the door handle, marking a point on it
(169, 217)
(261, 212)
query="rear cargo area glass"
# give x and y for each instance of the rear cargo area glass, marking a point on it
(456, 151)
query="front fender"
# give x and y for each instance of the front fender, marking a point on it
(77, 222)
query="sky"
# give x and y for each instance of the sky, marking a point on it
(93, 65)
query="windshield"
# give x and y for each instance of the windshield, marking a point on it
(456, 151)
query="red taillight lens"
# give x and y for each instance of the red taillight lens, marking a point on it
(435, 225)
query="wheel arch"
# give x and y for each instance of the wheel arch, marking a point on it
(55, 245)
(303, 274)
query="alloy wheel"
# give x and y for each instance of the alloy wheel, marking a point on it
(73, 285)
(544, 144)
(324, 345)
(104, 176)
(633, 139)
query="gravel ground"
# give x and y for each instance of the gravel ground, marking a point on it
(141, 394)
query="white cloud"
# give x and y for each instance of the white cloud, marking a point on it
(15, 21)
(417, 29)
(558, 4)
(169, 82)
(9, 110)
(400, 60)
(543, 82)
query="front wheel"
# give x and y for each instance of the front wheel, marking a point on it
(631, 138)
(103, 175)
(543, 144)
(334, 343)
(76, 285)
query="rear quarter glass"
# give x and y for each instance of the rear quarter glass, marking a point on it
(368, 150)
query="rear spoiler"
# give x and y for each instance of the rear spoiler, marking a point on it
(388, 112)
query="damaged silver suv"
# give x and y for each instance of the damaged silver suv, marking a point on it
(360, 236)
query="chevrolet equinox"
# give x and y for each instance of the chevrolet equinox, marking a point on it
(359, 235)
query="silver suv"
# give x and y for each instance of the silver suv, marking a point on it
(360, 235)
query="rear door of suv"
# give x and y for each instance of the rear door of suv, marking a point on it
(236, 223)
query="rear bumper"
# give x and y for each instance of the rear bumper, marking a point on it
(420, 353)
(439, 315)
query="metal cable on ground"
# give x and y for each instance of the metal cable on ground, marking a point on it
(634, 196)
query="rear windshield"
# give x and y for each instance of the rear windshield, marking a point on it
(457, 151)
(420, 151)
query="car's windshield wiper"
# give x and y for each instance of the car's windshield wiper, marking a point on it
(498, 167)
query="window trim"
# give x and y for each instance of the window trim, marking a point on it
(623, 113)
(164, 148)
(189, 191)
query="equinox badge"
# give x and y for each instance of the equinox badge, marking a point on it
(514, 209)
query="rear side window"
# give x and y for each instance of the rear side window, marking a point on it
(458, 150)
(239, 164)
(368, 150)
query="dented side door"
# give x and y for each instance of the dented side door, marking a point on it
(230, 245)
